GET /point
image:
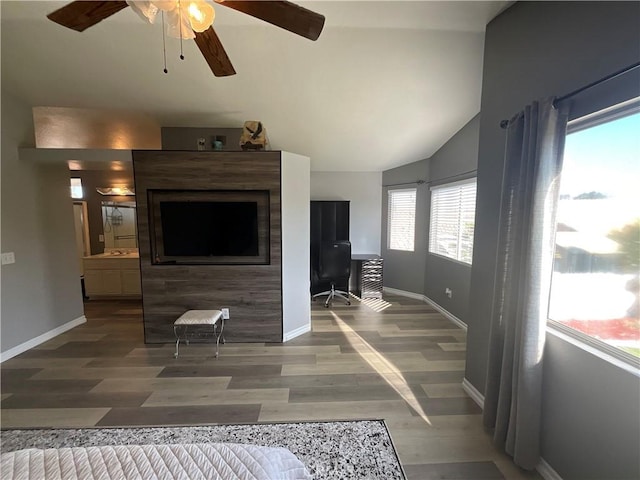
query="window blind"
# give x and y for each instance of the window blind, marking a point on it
(402, 219)
(452, 221)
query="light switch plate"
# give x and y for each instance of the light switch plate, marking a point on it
(8, 258)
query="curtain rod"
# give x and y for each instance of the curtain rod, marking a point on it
(438, 180)
(418, 182)
(444, 179)
(611, 76)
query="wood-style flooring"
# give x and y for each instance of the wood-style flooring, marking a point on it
(403, 363)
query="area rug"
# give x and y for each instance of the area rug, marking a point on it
(360, 449)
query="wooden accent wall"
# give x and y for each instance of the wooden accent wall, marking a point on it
(253, 293)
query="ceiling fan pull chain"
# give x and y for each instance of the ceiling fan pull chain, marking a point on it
(180, 12)
(164, 45)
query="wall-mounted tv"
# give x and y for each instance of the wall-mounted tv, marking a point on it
(209, 226)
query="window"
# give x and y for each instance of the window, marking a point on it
(402, 219)
(453, 210)
(76, 188)
(595, 288)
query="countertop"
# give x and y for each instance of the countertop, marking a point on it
(114, 256)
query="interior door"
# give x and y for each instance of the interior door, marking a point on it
(82, 231)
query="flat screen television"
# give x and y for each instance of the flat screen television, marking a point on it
(209, 227)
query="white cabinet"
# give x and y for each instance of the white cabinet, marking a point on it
(111, 282)
(113, 276)
(131, 282)
(93, 281)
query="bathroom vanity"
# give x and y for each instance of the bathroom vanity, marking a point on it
(112, 274)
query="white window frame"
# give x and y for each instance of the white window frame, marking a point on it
(593, 345)
(76, 188)
(434, 229)
(393, 223)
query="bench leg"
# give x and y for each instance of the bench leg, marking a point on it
(175, 331)
(219, 335)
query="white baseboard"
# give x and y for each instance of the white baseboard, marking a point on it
(34, 342)
(543, 468)
(424, 298)
(296, 333)
(473, 392)
(403, 293)
(446, 313)
(546, 472)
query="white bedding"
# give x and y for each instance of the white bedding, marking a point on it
(166, 462)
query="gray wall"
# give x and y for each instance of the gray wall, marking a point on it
(41, 291)
(91, 179)
(362, 189)
(591, 424)
(533, 50)
(405, 270)
(421, 272)
(456, 160)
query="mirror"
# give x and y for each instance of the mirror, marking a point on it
(119, 225)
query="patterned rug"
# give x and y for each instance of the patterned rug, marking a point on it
(360, 449)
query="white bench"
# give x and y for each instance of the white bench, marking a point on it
(199, 318)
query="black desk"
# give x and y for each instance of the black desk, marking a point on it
(366, 275)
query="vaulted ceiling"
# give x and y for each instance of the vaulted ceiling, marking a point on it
(387, 83)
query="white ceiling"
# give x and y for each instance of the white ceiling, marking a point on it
(387, 83)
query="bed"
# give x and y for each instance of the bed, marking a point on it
(164, 462)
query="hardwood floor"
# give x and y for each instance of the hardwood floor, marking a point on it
(403, 363)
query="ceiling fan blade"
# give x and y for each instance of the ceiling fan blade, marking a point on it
(283, 14)
(214, 53)
(84, 14)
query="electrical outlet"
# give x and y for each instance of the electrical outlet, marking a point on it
(101, 238)
(225, 314)
(448, 292)
(8, 258)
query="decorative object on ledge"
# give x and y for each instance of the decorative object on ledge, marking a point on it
(121, 190)
(254, 136)
(218, 142)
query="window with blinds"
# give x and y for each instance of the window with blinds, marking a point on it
(402, 219)
(452, 222)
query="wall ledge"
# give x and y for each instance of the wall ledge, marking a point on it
(34, 342)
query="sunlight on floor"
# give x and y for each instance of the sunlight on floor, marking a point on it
(382, 366)
(375, 304)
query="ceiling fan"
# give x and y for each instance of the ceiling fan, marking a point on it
(189, 14)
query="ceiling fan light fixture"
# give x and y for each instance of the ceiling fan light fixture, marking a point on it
(147, 11)
(120, 190)
(184, 17)
(178, 24)
(201, 15)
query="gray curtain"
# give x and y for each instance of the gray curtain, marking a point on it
(533, 160)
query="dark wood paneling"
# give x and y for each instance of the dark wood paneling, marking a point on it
(253, 293)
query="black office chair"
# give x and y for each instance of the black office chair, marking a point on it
(334, 265)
